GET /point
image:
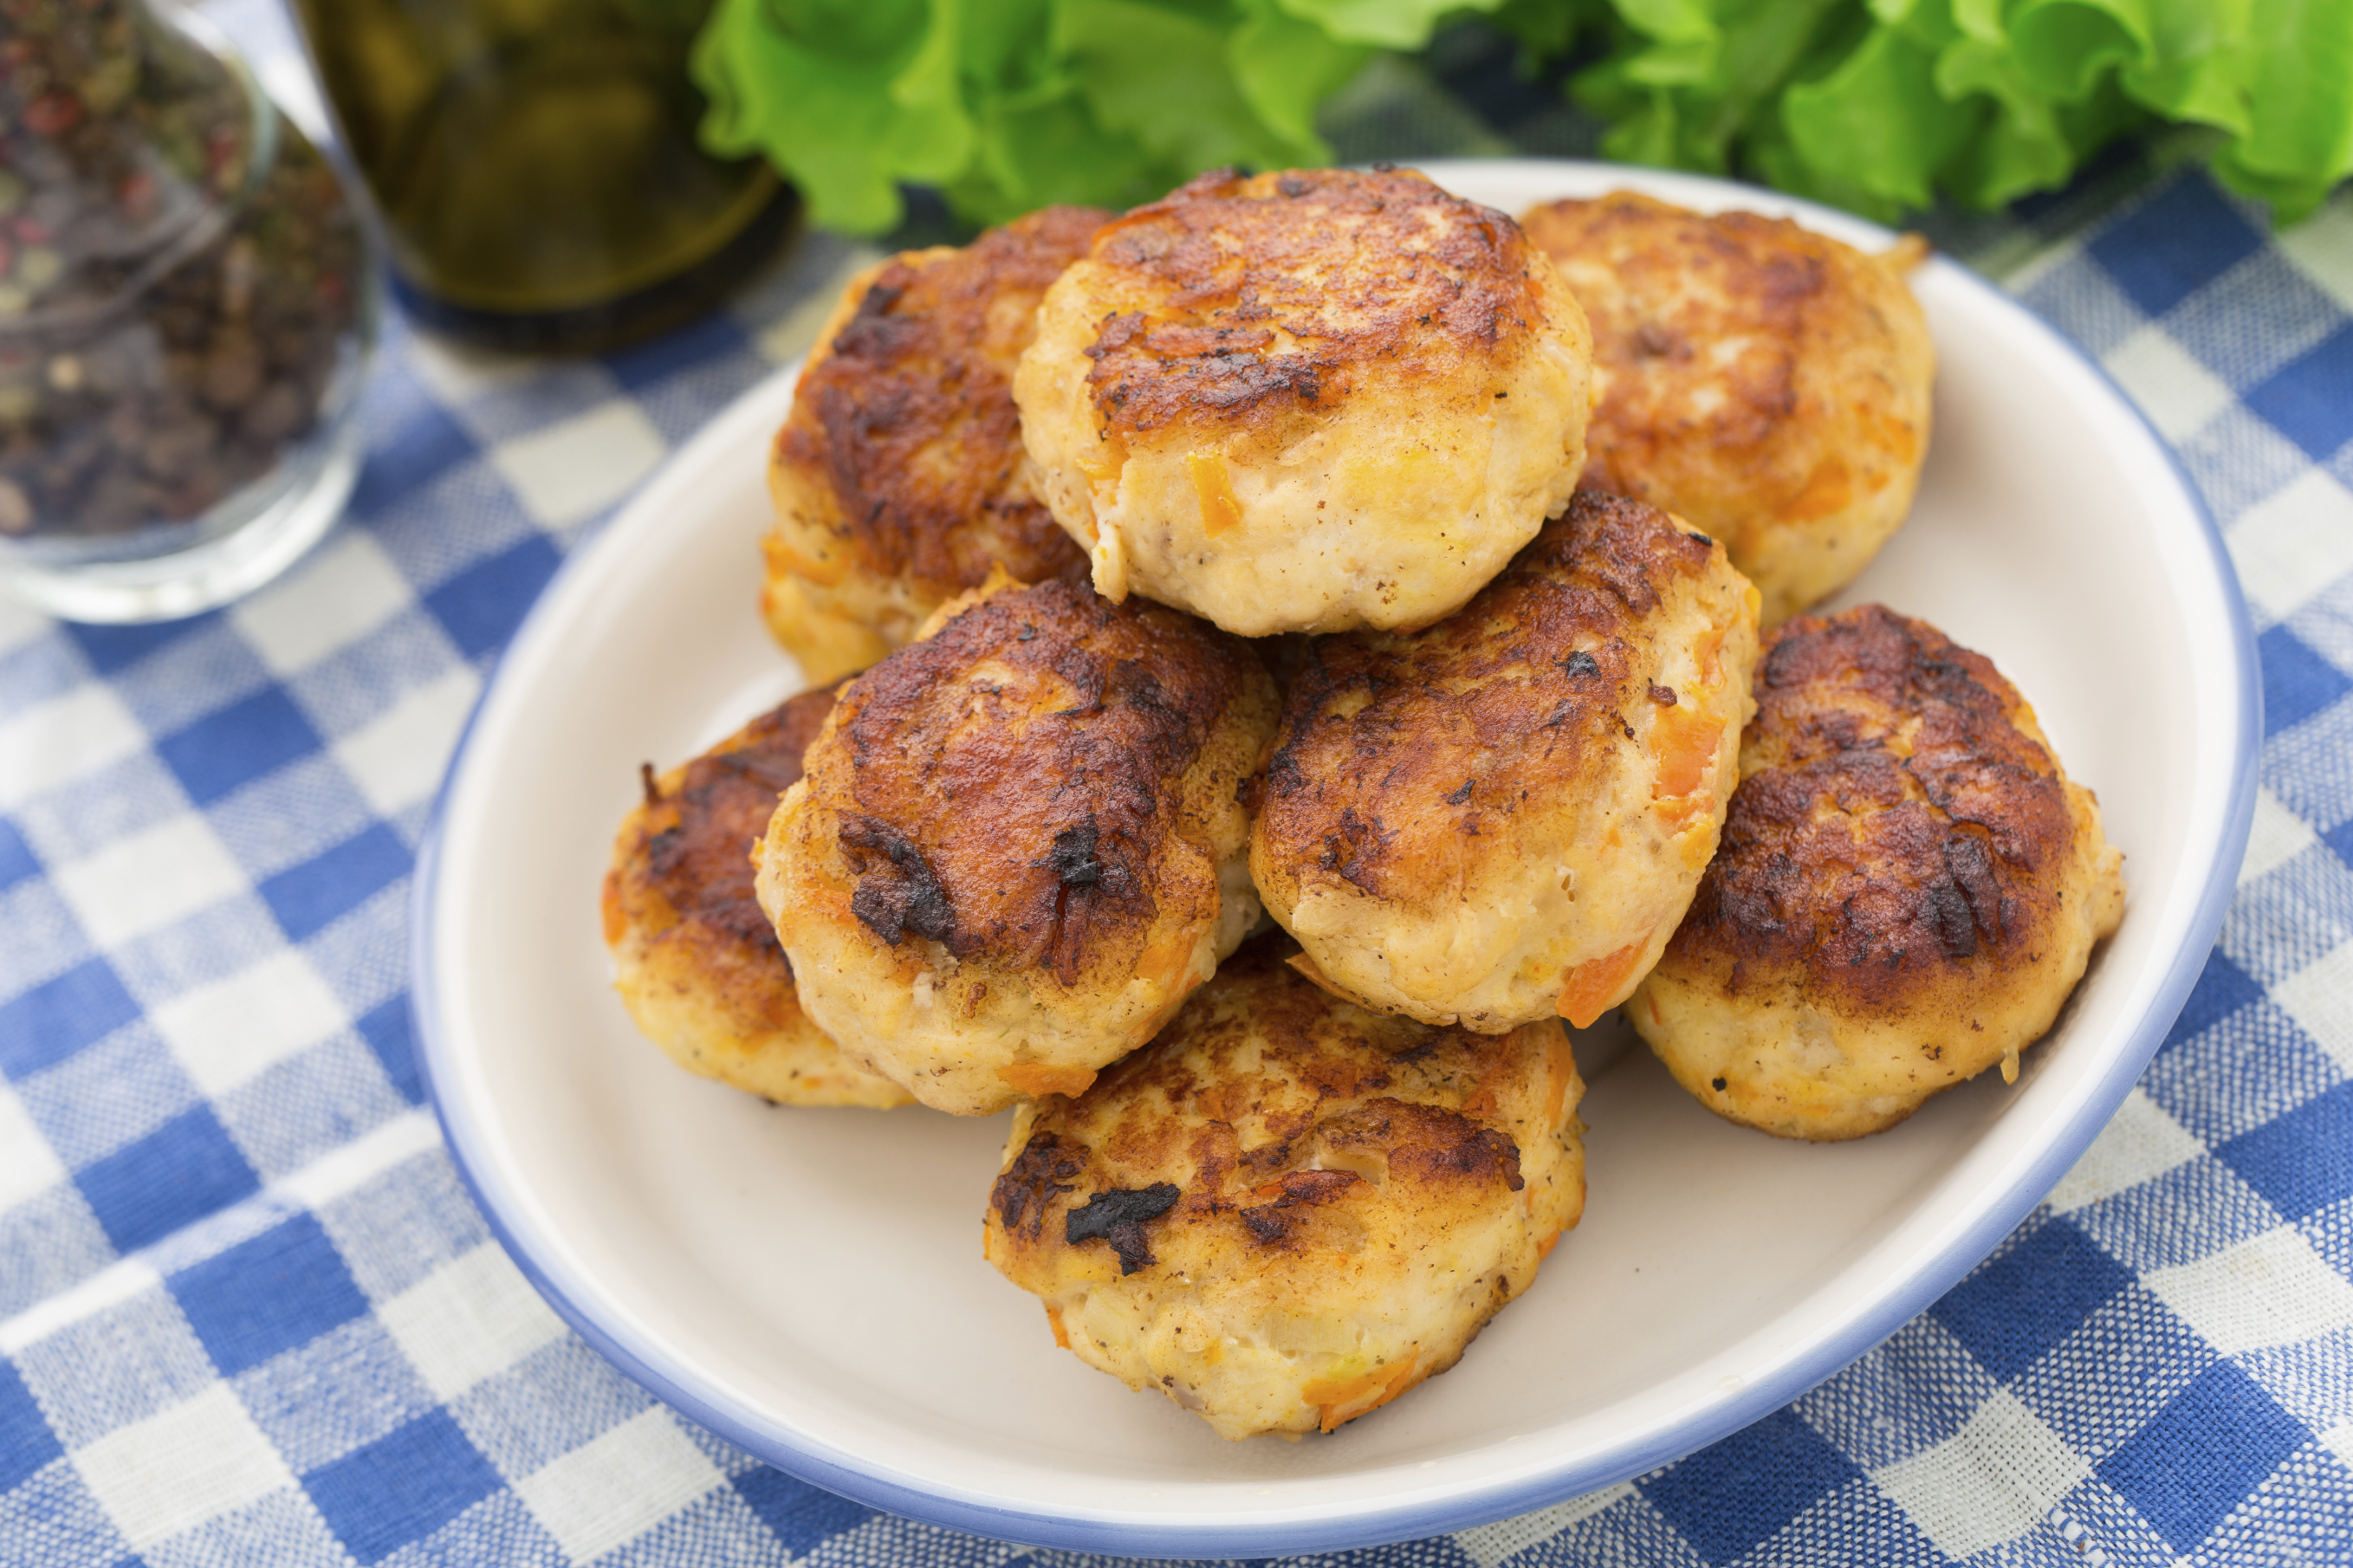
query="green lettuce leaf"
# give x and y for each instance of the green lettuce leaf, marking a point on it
(1882, 106)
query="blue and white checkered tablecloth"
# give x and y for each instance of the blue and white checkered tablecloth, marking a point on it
(248, 1314)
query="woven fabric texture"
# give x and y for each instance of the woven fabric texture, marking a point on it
(249, 1315)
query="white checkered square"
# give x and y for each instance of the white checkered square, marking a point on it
(177, 1469)
(28, 1165)
(397, 758)
(2277, 837)
(616, 1486)
(2140, 1144)
(2289, 548)
(1489, 1545)
(471, 1319)
(2322, 248)
(2179, 394)
(568, 472)
(338, 597)
(1988, 1483)
(149, 880)
(2270, 1291)
(233, 1029)
(57, 742)
(2319, 997)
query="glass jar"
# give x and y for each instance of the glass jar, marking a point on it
(186, 309)
(537, 166)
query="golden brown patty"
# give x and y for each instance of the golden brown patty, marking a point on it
(1768, 384)
(1306, 400)
(1505, 815)
(897, 475)
(1909, 887)
(1286, 1211)
(695, 960)
(1017, 845)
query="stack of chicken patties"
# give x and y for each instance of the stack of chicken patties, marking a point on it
(1224, 561)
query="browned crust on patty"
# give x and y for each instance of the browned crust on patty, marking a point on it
(1896, 822)
(1022, 818)
(1392, 746)
(907, 424)
(1269, 296)
(1412, 1110)
(683, 873)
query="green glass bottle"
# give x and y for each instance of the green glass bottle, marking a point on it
(536, 164)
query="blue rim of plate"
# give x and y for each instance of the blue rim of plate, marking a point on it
(646, 1365)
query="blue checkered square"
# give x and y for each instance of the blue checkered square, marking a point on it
(1731, 1497)
(2307, 768)
(480, 606)
(1909, 1393)
(2307, 399)
(25, 1441)
(110, 650)
(2221, 990)
(301, 811)
(43, 1025)
(402, 1487)
(415, 442)
(2144, 1228)
(2297, 682)
(2028, 1297)
(386, 1031)
(2279, 924)
(801, 1516)
(177, 1175)
(2301, 1162)
(283, 1289)
(2168, 247)
(497, 1530)
(314, 893)
(16, 858)
(2207, 1449)
(238, 744)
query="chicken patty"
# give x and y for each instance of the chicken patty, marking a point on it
(1286, 1211)
(898, 476)
(1908, 890)
(1017, 845)
(1768, 384)
(695, 960)
(1503, 816)
(1306, 400)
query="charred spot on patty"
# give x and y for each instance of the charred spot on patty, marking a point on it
(1118, 1217)
(1043, 1171)
(904, 894)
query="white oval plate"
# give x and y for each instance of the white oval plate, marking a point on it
(809, 1283)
